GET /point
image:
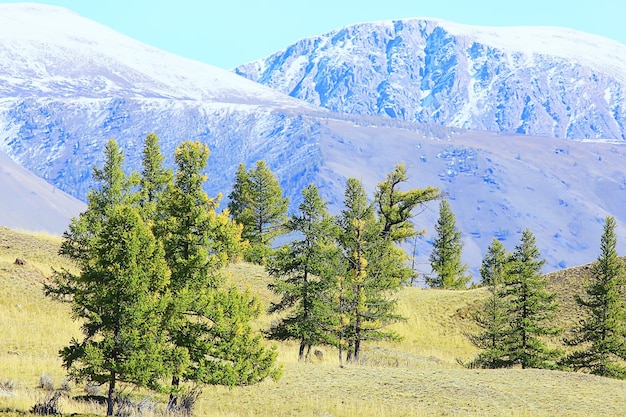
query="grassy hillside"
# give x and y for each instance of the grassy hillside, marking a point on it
(418, 376)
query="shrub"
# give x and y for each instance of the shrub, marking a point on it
(48, 406)
(186, 403)
(92, 389)
(45, 383)
(65, 386)
(6, 387)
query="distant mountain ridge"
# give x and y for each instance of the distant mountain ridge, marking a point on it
(30, 203)
(530, 80)
(65, 93)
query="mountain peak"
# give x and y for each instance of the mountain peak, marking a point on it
(560, 42)
(47, 50)
(543, 81)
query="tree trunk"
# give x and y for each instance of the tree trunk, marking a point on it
(341, 349)
(357, 349)
(301, 350)
(350, 352)
(111, 394)
(174, 397)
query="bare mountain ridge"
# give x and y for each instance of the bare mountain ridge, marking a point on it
(30, 203)
(532, 80)
(56, 125)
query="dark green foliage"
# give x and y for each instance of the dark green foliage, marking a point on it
(531, 308)
(492, 317)
(445, 259)
(154, 179)
(373, 268)
(208, 326)
(303, 272)
(150, 288)
(492, 269)
(257, 203)
(516, 316)
(120, 292)
(602, 333)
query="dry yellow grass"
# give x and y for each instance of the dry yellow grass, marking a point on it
(418, 376)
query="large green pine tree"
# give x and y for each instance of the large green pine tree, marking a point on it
(602, 333)
(119, 291)
(492, 317)
(445, 259)
(531, 308)
(257, 203)
(113, 189)
(303, 272)
(208, 324)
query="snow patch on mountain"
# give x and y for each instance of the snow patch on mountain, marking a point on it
(532, 80)
(49, 50)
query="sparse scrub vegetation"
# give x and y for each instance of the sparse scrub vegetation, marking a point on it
(48, 406)
(426, 381)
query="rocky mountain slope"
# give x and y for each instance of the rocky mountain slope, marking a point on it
(67, 85)
(30, 203)
(531, 80)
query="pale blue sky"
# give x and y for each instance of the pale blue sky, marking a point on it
(232, 32)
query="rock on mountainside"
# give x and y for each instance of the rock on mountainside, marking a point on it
(30, 203)
(69, 86)
(531, 80)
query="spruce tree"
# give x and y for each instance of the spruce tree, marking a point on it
(602, 333)
(303, 272)
(531, 308)
(207, 324)
(257, 203)
(493, 266)
(239, 197)
(492, 317)
(445, 259)
(119, 291)
(154, 178)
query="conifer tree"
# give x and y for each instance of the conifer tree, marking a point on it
(239, 197)
(303, 272)
(395, 207)
(358, 234)
(602, 333)
(120, 289)
(531, 308)
(492, 318)
(373, 267)
(493, 266)
(208, 324)
(257, 203)
(445, 259)
(154, 178)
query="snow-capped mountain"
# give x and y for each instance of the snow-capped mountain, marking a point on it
(51, 52)
(532, 80)
(67, 85)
